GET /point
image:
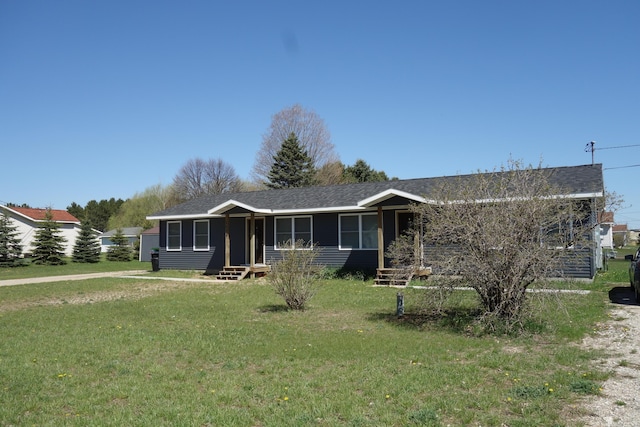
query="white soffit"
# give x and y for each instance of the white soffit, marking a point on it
(388, 194)
(231, 204)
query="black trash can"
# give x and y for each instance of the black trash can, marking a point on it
(155, 261)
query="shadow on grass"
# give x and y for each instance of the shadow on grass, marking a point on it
(273, 308)
(464, 321)
(459, 320)
(623, 295)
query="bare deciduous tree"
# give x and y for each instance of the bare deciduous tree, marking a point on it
(309, 128)
(498, 233)
(330, 173)
(295, 276)
(134, 211)
(199, 177)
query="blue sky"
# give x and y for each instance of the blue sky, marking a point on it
(102, 99)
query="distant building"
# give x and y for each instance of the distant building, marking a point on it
(131, 233)
(28, 220)
(620, 234)
(606, 229)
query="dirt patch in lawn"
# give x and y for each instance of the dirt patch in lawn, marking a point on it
(141, 289)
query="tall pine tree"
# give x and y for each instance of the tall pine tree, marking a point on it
(10, 247)
(120, 250)
(292, 166)
(87, 247)
(48, 243)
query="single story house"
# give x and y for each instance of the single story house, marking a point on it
(131, 233)
(149, 241)
(28, 220)
(353, 224)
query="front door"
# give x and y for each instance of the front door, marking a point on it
(259, 240)
(404, 223)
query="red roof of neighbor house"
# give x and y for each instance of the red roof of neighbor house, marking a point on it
(39, 214)
(606, 217)
(619, 228)
(154, 230)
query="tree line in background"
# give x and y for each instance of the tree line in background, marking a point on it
(296, 151)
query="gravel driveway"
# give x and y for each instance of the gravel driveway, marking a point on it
(619, 402)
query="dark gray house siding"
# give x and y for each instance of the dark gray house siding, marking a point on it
(213, 259)
(325, 235)
(574, 263)
(147, 243)
(325, 205)
(577, 263)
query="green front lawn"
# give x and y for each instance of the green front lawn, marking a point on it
(151, 353)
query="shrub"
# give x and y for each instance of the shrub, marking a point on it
(295, 276)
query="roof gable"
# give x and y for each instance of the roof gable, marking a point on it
(40, 214)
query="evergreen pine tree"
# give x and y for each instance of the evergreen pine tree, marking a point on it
(292, 166)
(10, 247)
(362, 172)
(87, 247)
(48, 243)
(120, 250)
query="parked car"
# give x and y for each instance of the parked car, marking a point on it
(634, 273)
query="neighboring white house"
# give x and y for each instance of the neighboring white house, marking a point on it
(131, 233)
(28, 220)
(606, 229)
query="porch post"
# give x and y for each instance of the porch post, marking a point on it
(380, 240)
(227, 242)
(252, 249)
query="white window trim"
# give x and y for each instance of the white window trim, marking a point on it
(293, 230)
(359, 248)
(196, 249)
(174, 249)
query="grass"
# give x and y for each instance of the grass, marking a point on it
(123, 352)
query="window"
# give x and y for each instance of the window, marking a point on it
(174, 236)
(201, 235)
(359, 231)
(293, 229)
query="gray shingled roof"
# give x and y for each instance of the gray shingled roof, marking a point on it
(575, 180)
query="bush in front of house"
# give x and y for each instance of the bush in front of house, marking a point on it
(295, 277)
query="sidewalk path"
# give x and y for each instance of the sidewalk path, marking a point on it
(48, 279)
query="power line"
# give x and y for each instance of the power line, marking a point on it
(622, 167)
(591, 146)
(620, 146)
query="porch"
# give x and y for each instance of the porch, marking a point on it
(239, 272)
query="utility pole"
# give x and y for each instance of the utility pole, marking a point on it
(591, 146)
